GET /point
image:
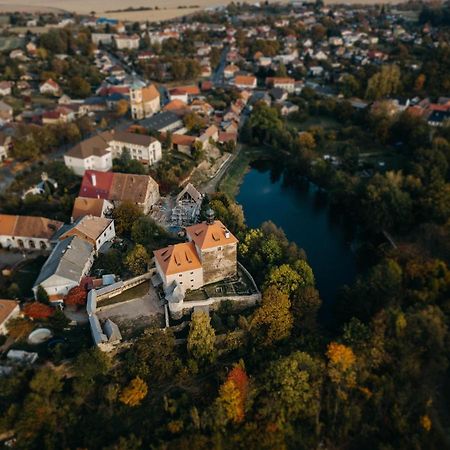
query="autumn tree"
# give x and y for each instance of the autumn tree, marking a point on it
(272, 321)
(201, 339)
(137, 260)
(291, 390)
(134, 393)
(306, 141)
(77, 296)
(37, 310)
(384, 83)
(287, 278)
(125, 215)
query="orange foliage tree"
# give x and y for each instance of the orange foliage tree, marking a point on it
(76, 296)
(37, 310)
(134, 393)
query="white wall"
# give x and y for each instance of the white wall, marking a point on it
(106, 236)
(79, 166)
(13, 242)
(192, 279)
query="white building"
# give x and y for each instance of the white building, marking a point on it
(68, 263)
(144, 101)
(90, 154)
(27, 232)
(126, 42)
(97, 231)
(141, 147)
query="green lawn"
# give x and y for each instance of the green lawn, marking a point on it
(130, 294)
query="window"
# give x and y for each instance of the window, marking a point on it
(192, 273)
(180, 275)
(192, 281)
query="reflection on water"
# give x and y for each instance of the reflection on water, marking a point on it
(302, 212)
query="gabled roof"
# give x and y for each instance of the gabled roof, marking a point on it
(28, 226)
(88, 228)
(84, 206)
(178, 258)
(212, 235)
(248, 80)
(96, 184)
(67, 260)
(150, 93)
(94, 146)
(132, 138)
(192, 192)
(130, 187)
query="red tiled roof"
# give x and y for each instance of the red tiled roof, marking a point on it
(102, 186)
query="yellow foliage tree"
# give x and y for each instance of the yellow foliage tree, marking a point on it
(230, 400)
(341, 368)
(425, 423)
(134, 393)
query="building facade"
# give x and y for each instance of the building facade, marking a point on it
(144, 101)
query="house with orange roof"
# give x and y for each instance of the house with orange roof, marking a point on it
(230, 71)
(285, 83)
(84, 206)
(177, 106)
(144, 101)
(180, 264)
(27, 232)
(245, 82)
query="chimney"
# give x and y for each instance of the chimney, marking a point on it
(210, 216)
(94, 179)
(227, 234)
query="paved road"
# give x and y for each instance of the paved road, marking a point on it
(217, 78)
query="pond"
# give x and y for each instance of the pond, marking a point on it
(304, 215)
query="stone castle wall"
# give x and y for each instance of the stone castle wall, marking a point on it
(219, 264)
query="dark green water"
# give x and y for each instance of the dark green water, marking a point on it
(306, 219)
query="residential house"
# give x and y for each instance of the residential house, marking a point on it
(6, 112)
(285, 83)
(91, 154)
(97, 231)
(245, 81)
(83, 206)
(230, 71)
(209, 136)
(141, 147)
(183, 143)
(68, 263)
(6, 88)
(27, 232)
(50, 87)
(9, 309)
(144, 101)
(142, 190)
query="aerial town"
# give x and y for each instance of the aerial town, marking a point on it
(226, 230)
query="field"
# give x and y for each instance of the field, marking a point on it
(167, 10)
